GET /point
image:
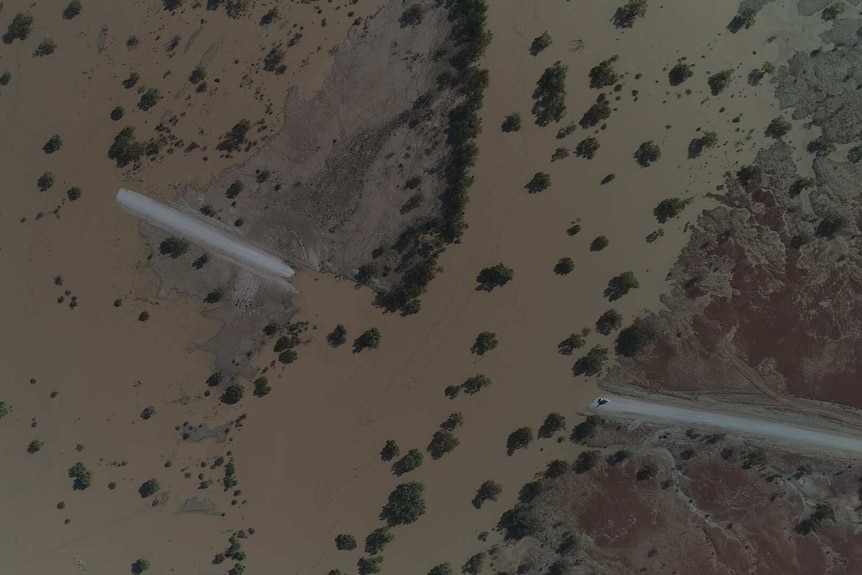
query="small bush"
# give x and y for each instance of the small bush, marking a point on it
(377, 540)
(144, 316)
(453, 422)
(273, 61)
(390, 450)
(620, 285)
(634, 338)
(587, 148)
(540, 43)
(337, 336)
(820, 147)
(488, 491)
(174, 247)
(288, 356)
(148, 412)
(149, 99)
(647, 153)
(495, 276)
(198, 75)
(261, 387)
(564, 266)
(125, 149)
(593, 362)
(550, 95)
(778, 127)
(553, 423)
(743, 20)
(45, 182)
(474, 565)
(131, 81)
(171, 5)
(4, 409)
(369, 339)
(81, 476)
(117, 113)
(476, 384)
(405, 505)
(604, 75)
(519, 522)
(519, 439)
(233, 394)
(411, 461)
(585, 430)
(412, 16)
(540, 182)
(235, 138)
(344, 542)
(368, 565)
(598, 112)
(34, 446)
(598, 244)
(669, 208)
(19, 28)
(832, 11)
(586, 461)
(441, 569)
(831, 225)
(149, 488)
(5, 77)
(45, 48)
(627, 15)
(618, 457)
(680, 72)
(571, 343)
(140, 565)
(53, 144)
(485, 342)
(269, 17)
(609, 321)
(512, 123)
(719, 81)
(72, 9)
(748, 175)
(442, 442)
(560, 153)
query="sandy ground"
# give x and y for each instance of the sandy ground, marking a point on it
(306, 456)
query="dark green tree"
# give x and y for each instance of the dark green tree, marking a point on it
(519, 439)
(634, 338)
(233, 394)
(149, 488)
(620, 285)
(488, 491)
(495, 276)
(406, 504)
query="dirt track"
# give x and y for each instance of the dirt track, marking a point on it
(761, 428)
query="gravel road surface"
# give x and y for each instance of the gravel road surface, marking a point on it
(204, 234)
(755, 427)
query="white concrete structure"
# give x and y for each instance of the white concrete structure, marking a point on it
(205, 234)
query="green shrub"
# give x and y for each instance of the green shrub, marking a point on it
(234, 139)
(599, 243)
(540, 43)
(749, 175)
(441, 569)
(620, 285)
(53, 144)
(131, 81)
(453, 422)
(149, 99)
(560, 153)
(495, 276)
(820, 147)
(564, 266)
(744, 19)
(669, 208)
(778, 127)
(229, 480)
(540, 182)
(519, 439)
(626, 15)
(719, 81)
(609, 321)
(593, 362)
(390, 450)
(475, 384)
(832, 11)
(344, 542)
(81, 476)
(72, 9)
(556, 468)
(45, 182)
(149, 488)
(571, 343)
(586, 461)
(474, 565)
(680, 72)
(338, 336)
(148, 412)
(512, 123)
(369, 565)
(140, 565)
(172, 5)
(4, 409)
(647, 153)
(442, 442)
(488, 491)
(5, 77)
(406, 504)
(587, 148)
(35, 445)
(234, 189)
(550, 95)
(598, 112)
(261, 387)
(634, 338)
(412, 460)
(585, 429)
(412, 16)
(269, 17)
(553, 423)
(288, 356)
(485, 342)
(377, 540)
(368, 339)
(19, 28)
(519, 522)
(273, 61)
(830, 225)
(233, 394)
(125, 149)
(198, 75)
(174, 247)
(604, 75)
(117, 113)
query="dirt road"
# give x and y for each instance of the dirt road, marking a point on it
(749, 426)
(204, 234)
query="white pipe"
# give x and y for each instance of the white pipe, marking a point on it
(204, 234)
